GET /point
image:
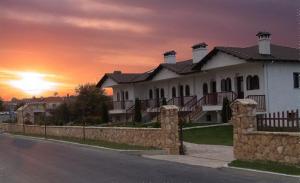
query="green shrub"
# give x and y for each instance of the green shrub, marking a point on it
(226, 111)
(104, 113)
(137, 111)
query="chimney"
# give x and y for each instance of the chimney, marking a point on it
(199, 52)
(264, 43)
(170, 57)
(117, 72)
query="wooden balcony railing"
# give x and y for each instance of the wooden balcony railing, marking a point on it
(218, 97)
(210, 99)
(180, 101)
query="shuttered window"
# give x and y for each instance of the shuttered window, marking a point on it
(162, 93)
(252, 82)
(296, 80)
(187, 90)
(173, 92)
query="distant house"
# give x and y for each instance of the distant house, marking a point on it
(266, 73)
(53, 102)
(36, 109)
(31, 113)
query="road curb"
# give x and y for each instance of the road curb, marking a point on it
(132, 152)
(261, 171)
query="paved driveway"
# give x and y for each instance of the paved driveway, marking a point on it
(217, 154)
(214, 156)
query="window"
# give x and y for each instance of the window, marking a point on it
(150, 94)
(296, 80)
(205, 89)
(223, 85)
(126, 95)
(173, 92)
(162, 93)
(248, 80)
(228, 85)
(187, 90)
(118, 96)
(208, 117)
(157, 93)
(255, 82)
(213, 86)
(252, 82)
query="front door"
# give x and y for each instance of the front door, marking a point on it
(213, 97)
(240, 87)
(181, 95)
(122, 100)
(213, 87)
(157, 97)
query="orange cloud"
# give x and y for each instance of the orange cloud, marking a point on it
(81, 22)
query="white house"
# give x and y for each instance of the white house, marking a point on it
(267, 73)
(36, 109)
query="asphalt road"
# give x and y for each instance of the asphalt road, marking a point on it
(24, 160)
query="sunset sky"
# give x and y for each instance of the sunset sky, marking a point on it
(49, 46)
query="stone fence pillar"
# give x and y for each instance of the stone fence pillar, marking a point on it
(243, 120)
(169, 127)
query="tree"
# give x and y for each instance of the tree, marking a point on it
(89, 99)
(104, 113)
(89, 102)
(137, 111)
(61, 115)
(226, 111)
(1, 104)
(55, 94)
(90, 106)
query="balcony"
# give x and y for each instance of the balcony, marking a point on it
(121, 106)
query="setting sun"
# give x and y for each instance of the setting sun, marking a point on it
(32, 83)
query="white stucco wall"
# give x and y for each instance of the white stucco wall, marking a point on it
(232, 72)
(108, 83)
(282, 95)
(124, 87)
(142, 89)
(165, 74)
(222, 60)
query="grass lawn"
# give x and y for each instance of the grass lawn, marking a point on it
(219, 135)
(99, 143)
(267, 166)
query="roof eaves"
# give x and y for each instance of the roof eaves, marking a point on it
(105, 77)
(214, 52)
(273, 59)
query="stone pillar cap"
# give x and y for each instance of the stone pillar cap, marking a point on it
(169, 107)
(245, 101)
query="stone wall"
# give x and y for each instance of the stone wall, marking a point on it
(166, 137)
(250, 144)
